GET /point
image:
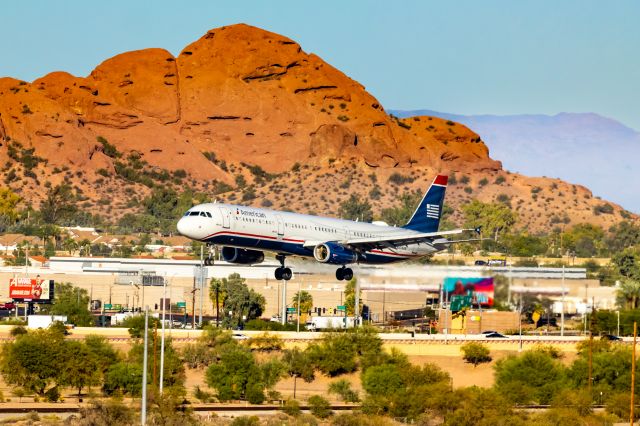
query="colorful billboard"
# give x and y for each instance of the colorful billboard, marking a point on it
(31, 290)
(479, 289)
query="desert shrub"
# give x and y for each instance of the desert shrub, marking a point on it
(246, 421)
(292, 408)
(202, 396)
(18, 330)
(533, 376)
(319, 406)
(265, 342)
(398, 179)
(342, 388)
(106, 413)
(475, 353)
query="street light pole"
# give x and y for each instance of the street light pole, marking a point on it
(299, 286)
(143, 414)
(164, 308)
(562, 307)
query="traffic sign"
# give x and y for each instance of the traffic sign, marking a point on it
(291, 310)
(342, 308)
(181, 304)
(107, 306)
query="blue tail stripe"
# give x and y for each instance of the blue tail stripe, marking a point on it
(427, 216)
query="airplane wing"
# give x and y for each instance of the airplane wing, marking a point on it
(397, 240)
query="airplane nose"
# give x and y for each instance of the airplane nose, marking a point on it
(182, 228)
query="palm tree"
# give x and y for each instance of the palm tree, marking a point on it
(217, 294)
(306, 303)
(628, 294)
(70, 245)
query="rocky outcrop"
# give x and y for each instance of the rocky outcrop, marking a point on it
(238, 96)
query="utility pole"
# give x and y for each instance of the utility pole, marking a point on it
(284, 303)
(202, 275)
(633, 372)
(562, 305)
(299, 286)
(164, 308)
(155, 355)
(143, 411)
(356, 307)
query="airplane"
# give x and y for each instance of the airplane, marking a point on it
(245, 233)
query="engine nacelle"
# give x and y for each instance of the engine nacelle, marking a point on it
(334, 254)
(241, 256)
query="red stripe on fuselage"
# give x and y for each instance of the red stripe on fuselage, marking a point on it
(268, 237)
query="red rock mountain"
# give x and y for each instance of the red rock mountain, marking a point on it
(236, 98)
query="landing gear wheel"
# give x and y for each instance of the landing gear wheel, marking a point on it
(347, 274)
(286, 274)
(282, 273)
(208, 261)
(340, 274)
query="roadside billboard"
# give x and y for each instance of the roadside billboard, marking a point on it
(480, 290)
(31, 290)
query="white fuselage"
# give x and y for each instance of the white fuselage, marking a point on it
(289, 233)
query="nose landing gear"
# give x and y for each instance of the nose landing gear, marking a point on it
(344, 273)
(282, 273)
(208, 261)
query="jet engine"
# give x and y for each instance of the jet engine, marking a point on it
(241, 256)
(334, 254)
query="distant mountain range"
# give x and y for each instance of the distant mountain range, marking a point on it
(584, 148)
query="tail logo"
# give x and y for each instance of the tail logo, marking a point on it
(433, 211)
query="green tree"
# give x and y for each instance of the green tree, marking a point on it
(475, 353)
(533, 376)
(73, 302)
(335, 354)
(623, 235)
(135, 324)
(356, 209)
(299, 364)
(350, 297)
(628, 294)
(59, 205)
(494, 218)
(235, 372)
(217, 294)
(9, 202)
(33, 361)
(306, 301)
(80, 367)
(123, 377)
(241, 303)
(628, 263)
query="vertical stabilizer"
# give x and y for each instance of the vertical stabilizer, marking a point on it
(427, 216)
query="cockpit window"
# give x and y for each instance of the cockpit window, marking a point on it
(208, 214)
(194, 214)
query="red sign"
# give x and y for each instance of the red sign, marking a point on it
(30, 289)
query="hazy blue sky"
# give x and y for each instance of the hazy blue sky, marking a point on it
(467, 57)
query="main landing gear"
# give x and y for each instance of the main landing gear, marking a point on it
(282, 273)
(208, 261)
(344, 273)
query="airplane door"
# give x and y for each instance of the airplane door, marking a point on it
(280, 225)
(225, 217)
